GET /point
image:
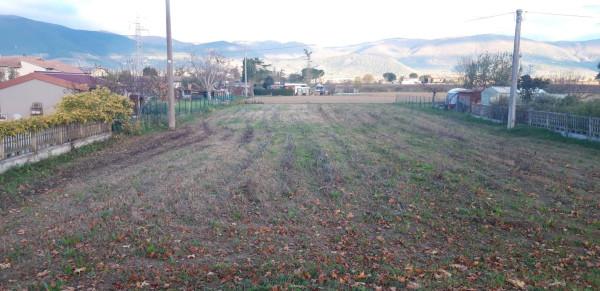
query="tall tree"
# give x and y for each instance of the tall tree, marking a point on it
(312, 73)
(150, 72)
(268, 82)
(486, 70)
(598, 76)
(529, 86)
(413, 75)
(390, 77)
(295, 78)
(209, 70)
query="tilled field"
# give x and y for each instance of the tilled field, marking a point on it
(310, 195)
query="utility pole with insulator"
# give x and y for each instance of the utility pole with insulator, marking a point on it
(512, 106)
(171, 89)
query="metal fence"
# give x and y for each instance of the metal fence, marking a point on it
(583, 127)
(31, 142)
(569, 125)
(155, 112)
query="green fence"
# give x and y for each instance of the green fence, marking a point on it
(154, 113)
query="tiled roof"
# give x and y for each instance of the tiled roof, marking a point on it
(15, 62)
(76, 81)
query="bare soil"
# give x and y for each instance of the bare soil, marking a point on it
(312, 195)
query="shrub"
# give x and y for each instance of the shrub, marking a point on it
(274, 92)
(97, 105)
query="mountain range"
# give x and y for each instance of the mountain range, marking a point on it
(22, 36)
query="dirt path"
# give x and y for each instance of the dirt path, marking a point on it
(312, 195)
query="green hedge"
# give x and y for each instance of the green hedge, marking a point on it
(273, 92)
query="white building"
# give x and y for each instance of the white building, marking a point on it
(23, 65)
(412, 81)
(38, 93)
(494, 94)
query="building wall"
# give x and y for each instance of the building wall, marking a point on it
(17, 100)
(27, 68)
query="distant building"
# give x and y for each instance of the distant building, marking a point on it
(98, 72)
(23, 65)
(412, 81)
(494, 94)
(462, 100)
(39, 92)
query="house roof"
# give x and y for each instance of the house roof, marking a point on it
(80, 82)
(501, 90)
(52, 65)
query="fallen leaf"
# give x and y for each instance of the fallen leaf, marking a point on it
(360, 276)
(517, 283)
(442, 274)
(21, 232)
(43, 274)
(459, 267)
(413, 285)
(79, 270)
(192, 256)
(4, 266)
(380, 238)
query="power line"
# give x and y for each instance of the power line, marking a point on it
(560, 14)
(490, 16)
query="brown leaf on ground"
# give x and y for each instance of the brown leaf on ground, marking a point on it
(413, 285)
(459, 267)
(517, 283)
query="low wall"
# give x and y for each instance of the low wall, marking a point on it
(43, 154)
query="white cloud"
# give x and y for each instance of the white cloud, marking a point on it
(318, 21)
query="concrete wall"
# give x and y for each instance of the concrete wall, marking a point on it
(19, 98)
(29, 158)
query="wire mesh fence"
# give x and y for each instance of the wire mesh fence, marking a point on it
(154, 113)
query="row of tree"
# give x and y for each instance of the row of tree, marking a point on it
(208, 72)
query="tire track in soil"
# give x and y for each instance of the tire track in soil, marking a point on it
(131, 151)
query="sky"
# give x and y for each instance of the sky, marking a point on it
(318, 22)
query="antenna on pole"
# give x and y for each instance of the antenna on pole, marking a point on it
(512, 106)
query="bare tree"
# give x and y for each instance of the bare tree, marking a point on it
(209, 70)
(486, 70)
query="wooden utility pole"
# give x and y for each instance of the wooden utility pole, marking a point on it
(171, 89)
(245, 73)
(512, 106)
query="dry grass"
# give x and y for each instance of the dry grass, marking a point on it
(312, 195)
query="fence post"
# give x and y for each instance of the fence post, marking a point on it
(2, 155)
(590, 127)
(33, 138)
(529, 117)
(567, 124)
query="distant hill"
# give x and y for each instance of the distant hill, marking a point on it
(400, 55)
(25, 36)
